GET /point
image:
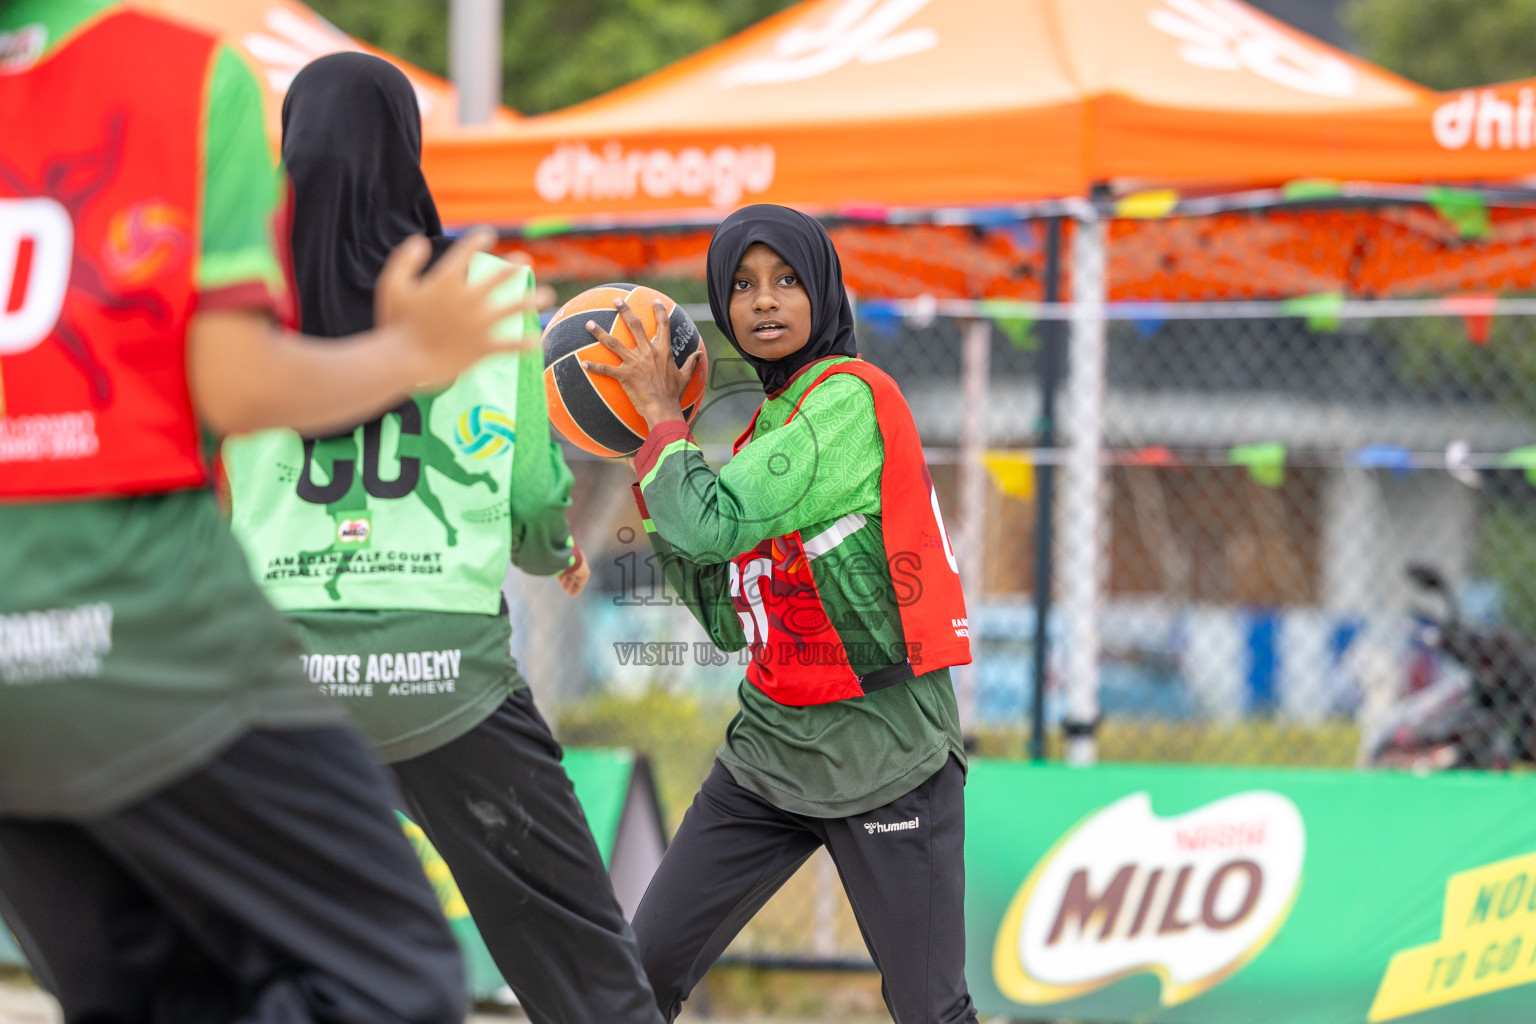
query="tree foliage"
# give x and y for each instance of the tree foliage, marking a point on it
(1447, 44)
(556, 52)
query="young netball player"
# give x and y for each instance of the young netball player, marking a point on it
(386, 545)
(818, 546)
(188, 830)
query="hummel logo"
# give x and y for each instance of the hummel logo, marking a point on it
(901, 826)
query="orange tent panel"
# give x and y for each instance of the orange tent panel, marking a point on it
(838, 105)
(281, 36)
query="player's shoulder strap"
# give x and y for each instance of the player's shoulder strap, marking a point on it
(878, 380)
(868, 372)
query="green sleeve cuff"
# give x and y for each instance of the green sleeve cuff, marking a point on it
(661, 456)
(662, 436)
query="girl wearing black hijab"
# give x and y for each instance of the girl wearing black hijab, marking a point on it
(819, 547)
(386, 545)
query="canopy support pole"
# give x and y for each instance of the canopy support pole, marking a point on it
(474, 57)
(1045, 490)
(1083, 508)
(975, 368)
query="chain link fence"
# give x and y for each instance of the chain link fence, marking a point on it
(1284, 457)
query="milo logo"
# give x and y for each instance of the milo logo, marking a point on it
(1189, 898)
(353, 531)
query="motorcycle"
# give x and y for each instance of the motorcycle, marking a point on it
(1483, 718)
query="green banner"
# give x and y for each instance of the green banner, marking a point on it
(1216, 895)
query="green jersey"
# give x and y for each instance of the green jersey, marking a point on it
(818, 473)
(408, 510)
(133, 644)
(387, 545)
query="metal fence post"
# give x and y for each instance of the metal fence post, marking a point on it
(1045, 490)
(1083, 508)
(975, 368)
(474, 57)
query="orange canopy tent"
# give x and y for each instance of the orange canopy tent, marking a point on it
(838, 105)
(280, 36)
(852, 107)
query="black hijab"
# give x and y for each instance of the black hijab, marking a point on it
(804, 245)
(352, 146)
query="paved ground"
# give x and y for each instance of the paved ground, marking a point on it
(20, 1003)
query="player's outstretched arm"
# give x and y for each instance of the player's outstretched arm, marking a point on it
(246, 375)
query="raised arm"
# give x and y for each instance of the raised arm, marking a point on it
(247, 374)
(821, 465)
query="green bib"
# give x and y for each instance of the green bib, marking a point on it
(411, 510)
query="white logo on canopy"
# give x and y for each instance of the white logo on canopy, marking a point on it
(294, 42)
(1225, 36)
(867, 31)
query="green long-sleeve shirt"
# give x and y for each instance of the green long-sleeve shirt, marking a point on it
(819, 473)
(387, 545)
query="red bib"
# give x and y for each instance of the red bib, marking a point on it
(99, 231)
(797, 656)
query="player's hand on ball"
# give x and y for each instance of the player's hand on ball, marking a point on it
(653, 381)
(444, 323)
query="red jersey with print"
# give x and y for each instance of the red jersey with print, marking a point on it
(798, 658)
(100, 180)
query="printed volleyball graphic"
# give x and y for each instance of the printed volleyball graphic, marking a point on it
(146, 240)
(485, 432)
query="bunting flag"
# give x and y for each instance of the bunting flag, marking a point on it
(1013, 472)
(1458, 463)
(1476, 312)
(866, 211)
(546, 227)
(921, 312)
(1026, 236)
(992, 216)
(1392, 457)
(1304, 189)
(1147, 205)
(1466, 211)
(1265, 462)
(880, 318)
(1523, 459)
(1005, 315)
(1152, 455)
(1322, 311)
(1478, 328)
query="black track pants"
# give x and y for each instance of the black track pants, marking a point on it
(907, 886)
(500, 809)
(272, 886)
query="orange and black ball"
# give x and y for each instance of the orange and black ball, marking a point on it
(590, 410)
